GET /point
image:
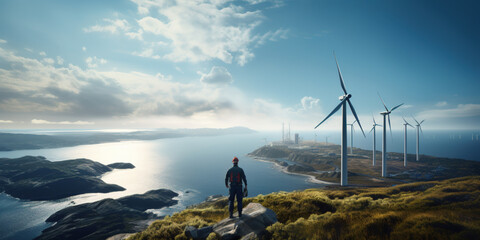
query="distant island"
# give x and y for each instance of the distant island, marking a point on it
(36, 178)
(322, 162)
(16, 141)
(107, 217)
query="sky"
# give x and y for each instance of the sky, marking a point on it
(220, 63)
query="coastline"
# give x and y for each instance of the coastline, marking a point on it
(283, 169)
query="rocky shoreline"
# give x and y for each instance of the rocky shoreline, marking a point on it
(37, 179)
(108, 217)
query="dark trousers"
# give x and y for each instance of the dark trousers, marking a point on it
(235, 190)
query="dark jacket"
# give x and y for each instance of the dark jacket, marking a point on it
(235, 175)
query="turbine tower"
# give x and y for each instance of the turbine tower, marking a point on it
(351, 136)
(405, 141)
(384, 135)
(374, 138)
(418, 136)
(344, 99)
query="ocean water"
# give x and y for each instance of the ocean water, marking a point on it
(463, 144)
(195, 168)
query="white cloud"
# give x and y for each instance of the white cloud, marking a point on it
(37, 90)
(41, 121)
(205, 30)
(461, 111)
(43, 54)
(5, 121)
(310, 102)
(135, 35)
(405, 106)
(84, 49)
(60, 60)
(272, 36)
(49, 61)
(441, 104)
(2, 41)
(147, 53)
(93, 62)
(217, 76)
(112, 26)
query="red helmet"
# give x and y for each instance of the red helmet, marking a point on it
(235, 160)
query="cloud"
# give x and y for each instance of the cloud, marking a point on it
(84, 49)
(217, 76)
(111, 26)
(461, 111)
(5, 121)
(40, 121)
(37, 88)
(272, 36)
(204, 30)
(34, 89)
(441, 104)
(60, 60)
(309, 102)
(405, 106)
(93, 62)
(43, 54)
(147, 53)
(2, 41)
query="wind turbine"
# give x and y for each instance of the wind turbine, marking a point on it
(351, 136)
(418, 137)
(374, 138)
(344, 99)
(405, 141)
(384, 135)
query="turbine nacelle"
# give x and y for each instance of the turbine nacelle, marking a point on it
(346, 96)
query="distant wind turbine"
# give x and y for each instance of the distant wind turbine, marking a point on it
(344, 99)
(405, 141)
(418, 136)
(384, 135)
(374, 138)
(351, 136)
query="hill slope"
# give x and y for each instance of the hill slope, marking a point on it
(448, 209)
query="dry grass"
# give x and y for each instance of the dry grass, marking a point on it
(448, 209)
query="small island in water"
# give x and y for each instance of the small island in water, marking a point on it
(36, 178)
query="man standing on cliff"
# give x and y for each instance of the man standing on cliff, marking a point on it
(235, 176)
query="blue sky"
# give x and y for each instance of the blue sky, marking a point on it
(221, 63)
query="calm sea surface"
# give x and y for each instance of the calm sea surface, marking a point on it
(195, 168)
(196, 165)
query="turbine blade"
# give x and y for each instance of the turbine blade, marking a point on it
(396, 107)
(371, 129)
(421, 129)
(415, 120)
(422, 121)
(333, 112)
(374, 123)
(355, 114)
(340, 75)
(382, 102)
(390, 126)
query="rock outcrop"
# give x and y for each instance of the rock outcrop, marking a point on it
(255, 219)
(121, 165)
(107, 217)
(36, 178)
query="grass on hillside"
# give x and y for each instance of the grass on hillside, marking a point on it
(448, 209)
